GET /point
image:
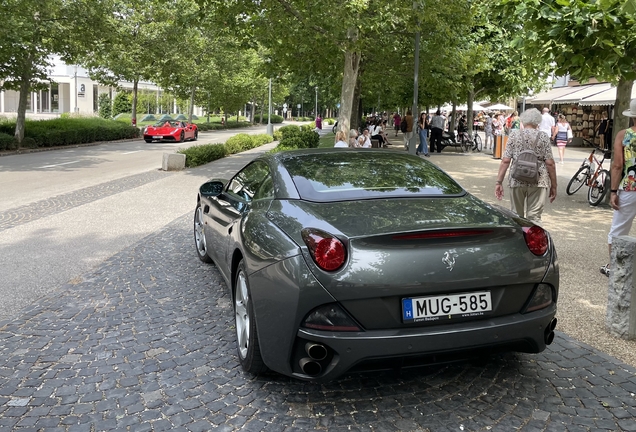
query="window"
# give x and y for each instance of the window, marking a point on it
(253, 182)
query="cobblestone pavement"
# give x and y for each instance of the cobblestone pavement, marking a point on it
(57, 204)
(146, 343)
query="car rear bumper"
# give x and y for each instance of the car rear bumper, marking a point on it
(526, 333)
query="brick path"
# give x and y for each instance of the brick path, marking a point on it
(146, 343)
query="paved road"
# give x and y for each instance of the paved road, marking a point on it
(59, 219)
(146, 342)
(133, 332)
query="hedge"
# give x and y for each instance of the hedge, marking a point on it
(202, 154)
(70, 131)
(275, 118)
(7, 142)
(294, 138)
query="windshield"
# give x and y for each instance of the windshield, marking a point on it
(351, 175)
(169, 123)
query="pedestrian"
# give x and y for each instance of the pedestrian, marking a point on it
(423, 133)
(515, 123)
(353, 138)
(367, 138)
(377, 134)
(408, 118)
(438, 122)
(318, 122)
(490, 139)
(601, 131)
(528, 200)
(547, 122)
(340, 140)
(396, 123)
(562, 135)
(623, 182)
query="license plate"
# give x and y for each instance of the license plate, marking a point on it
(446, 307)
(157, 137)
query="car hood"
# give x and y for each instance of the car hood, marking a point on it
(382, 261)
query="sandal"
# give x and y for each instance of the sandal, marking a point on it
(605, 270)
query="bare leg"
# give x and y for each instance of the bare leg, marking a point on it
(561, 153)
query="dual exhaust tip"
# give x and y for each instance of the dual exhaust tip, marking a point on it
(548, 335)
(311, 365)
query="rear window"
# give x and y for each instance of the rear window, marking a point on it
(352, 175)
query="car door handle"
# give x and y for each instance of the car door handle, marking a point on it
(206, 209)
(230, 230)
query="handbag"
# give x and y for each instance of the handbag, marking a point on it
(570, 136)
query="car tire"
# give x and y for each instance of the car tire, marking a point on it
(199, 236)
(182, 137)
(247, 347)
(578, 180)
(148, 141)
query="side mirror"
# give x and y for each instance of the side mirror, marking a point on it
(211, 188)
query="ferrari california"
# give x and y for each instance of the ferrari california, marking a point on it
(342, 260)
(171, 131)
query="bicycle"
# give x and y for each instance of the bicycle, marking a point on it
(592, 174)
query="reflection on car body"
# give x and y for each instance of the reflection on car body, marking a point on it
(340, 259)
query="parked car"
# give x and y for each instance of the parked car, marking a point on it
(345, 259)
(171, 131)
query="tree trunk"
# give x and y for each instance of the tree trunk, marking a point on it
(349, 79)
(22, 104)
(134, 101)
(191, 110)
(252, 116)
(355, 107)
(623, 98)
(261, 119)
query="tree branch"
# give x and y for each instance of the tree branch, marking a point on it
(297, 14)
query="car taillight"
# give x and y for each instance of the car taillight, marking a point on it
(326, 250)
(536, 239)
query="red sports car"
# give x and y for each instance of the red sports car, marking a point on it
(172, 131)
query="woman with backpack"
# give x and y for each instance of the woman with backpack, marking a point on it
(528, 195)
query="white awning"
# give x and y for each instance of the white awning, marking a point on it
(608, 97)
(546, 98)
(585, 91)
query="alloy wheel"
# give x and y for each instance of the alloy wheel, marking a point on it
(242, 318)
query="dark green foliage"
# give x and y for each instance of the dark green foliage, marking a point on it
(181, 117)
(165, 117)
(289, 131)
(148, 117)
(202, 154)
(105, 106)
(122, 103)
(216, 125)
(310, 138)
(292, 143)
(275, 118)
(195, 117)
(7, 141)
(70, 131)
(238, 143)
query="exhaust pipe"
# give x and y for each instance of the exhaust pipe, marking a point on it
(309, 366)
(549, 332)
(316, 351)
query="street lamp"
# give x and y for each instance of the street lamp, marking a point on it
(270, 126)
(316, 112)
(76, 109)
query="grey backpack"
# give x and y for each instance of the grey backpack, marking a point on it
(526, 165)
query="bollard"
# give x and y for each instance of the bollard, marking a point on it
(173, 161)
(620, 320)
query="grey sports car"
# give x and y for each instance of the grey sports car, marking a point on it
(344, 259)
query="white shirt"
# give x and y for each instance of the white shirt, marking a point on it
(547, 123)
(367, 142)
(341, 144)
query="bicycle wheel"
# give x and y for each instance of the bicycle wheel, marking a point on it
(477, 143)
(463, 144)
(597, 191)
(578, 180)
